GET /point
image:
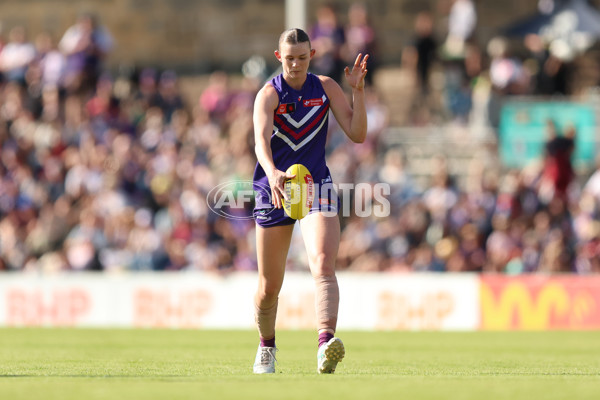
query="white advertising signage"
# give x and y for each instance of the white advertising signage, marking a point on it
(201, 300)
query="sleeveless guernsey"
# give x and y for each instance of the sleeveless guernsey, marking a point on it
(299, 136)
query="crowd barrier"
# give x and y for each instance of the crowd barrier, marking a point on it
(378, 301)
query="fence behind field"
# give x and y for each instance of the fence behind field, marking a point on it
(414, 302)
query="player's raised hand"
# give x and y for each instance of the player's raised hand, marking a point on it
(356, 77)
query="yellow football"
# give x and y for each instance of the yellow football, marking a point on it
(300, 191)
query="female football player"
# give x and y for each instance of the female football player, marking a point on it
(290, 127)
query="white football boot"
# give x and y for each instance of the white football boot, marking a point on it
(329, 355)
(265, 360)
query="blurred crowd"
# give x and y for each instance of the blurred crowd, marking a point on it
(538, 219)
(111, 172)
(543, 218)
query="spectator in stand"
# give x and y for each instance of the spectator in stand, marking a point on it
(549, 72)
(506, 71)
(461, 25)
(216, 97)
(394, 172)
(558, 173)
(507, 77)
(85, 45)
(500, 248)
(556, 256)
(360, 38)
(421, 53)
(442, 195)
(592, 185)
(16, 55)
(103, 106)
(51, 61)
(327, 38)
(143, 241)
(44, 79)
(168, 98)
(147, 88)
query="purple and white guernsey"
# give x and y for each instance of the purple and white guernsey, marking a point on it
(299, 135)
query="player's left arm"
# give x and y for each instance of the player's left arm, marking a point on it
(352, 119)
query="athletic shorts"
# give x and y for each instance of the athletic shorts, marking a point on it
(266, 215)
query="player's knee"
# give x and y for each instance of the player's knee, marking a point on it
(323, 265)
(267, 294)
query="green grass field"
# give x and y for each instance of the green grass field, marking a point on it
(70, 364)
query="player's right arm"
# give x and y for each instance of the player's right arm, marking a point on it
(265, 104)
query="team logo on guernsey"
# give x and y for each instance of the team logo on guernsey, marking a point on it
(312, 102)
(286, 108)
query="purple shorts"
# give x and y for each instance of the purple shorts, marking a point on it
(266, 215)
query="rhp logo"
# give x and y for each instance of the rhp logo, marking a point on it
(235, 199)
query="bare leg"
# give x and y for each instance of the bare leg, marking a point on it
(272, 245)
(322, 239)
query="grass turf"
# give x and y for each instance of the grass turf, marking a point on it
(86, 364)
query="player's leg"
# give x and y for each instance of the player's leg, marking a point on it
(321, 234)
(272, 245)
